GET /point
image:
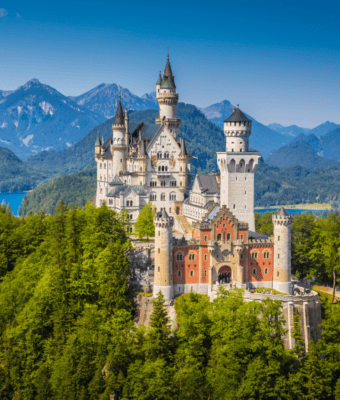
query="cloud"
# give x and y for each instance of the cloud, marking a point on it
(3, 12)
(18, 15)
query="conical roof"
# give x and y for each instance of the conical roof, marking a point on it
(119, 120)
(282, 213)
(103, 141)
(98, 141)
(184, 151)
(116, 181)
(168, 81)
(159, 81)
(237, 116)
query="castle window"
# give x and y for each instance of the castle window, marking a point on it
(242, 256)
(166, 154)
(205, 257)
(159, 155)
(179, 257)
(266, 254)
(131, 216)
(104, 165)
(245, 192)
(159, 250)
(245, 178)
(278, 256)
(254, 271)
(191, 257)
(278, 273)
(242, 237)
(179, 273)
(205, 273)
(170, 210)
(159, 233)
(192, 273)
(205, 238)
(172, 197)
(101, 191)
(224, 225)
(219, 237)
(140, 169)
(254, 254)
(153, 197)
(234, 206)
(110, 201)
(130, 229)
(163, 197)
(278, 238)
(121, 160)
(100, 165)
(245, 207)
(228, 236)
(163, 183)
(180, 169)
(180, 184)
(159, 269)
(266, 271)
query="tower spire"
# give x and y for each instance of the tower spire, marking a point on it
(168, 81)
(119, 119)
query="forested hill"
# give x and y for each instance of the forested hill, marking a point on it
(15, 175)
(203, 140)
(273, 186)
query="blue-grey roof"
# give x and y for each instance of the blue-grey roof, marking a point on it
(133, 126)
(139, 189)
(208, 184)
(149, 131)
(212, 213)
(255, 235)
(116, 181)
(237, 116)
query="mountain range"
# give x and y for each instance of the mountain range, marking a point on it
(36, 118)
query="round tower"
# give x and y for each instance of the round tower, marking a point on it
(118, 146)
(163, 277)
(167, 99)
(237, 129)
(282, 252)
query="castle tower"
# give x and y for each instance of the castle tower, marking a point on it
(282, 252)
(237, 165)
(184, 159)
(118, 146)
(163, 278)
(167, 99)
(97, 145)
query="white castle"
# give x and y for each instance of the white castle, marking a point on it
(145, 162)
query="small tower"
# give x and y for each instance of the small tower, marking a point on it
(126, 119)
(163, 278)
(167, 99)
(282, 252)
(97, 145)
(237, 165)
(159, 82)
(184, 159)
(142, 162)
(118, 147)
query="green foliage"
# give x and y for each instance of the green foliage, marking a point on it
(144, 226)
(264, 223)
(16, 176)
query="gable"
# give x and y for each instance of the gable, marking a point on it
(196, 187)
(163, 141)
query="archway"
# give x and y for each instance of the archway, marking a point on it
(177, 210)
(224, 274)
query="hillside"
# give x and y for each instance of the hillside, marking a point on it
(291, 130)
(299, 154)
(197, 129)
(263, 139)
(73, 189)
(36, 117)
(273, 186)
(15, 175)
(324, 128)
(103, 100)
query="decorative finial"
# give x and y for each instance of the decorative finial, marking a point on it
(120, 95)
(238, 106)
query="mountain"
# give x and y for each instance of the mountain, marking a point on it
(299, 154)
(291, 130)
(103, 100)
(324, 128)
(194, 125)
(15, 175)
(36, 117)
(263, 139)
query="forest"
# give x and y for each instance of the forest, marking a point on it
(67, 321)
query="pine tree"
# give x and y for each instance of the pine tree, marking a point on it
(299, 349)
(144, 226)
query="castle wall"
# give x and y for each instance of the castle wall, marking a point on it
(264, 266)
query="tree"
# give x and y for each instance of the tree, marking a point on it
(326, 248)
(144, 225)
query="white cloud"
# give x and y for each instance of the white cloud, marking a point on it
(18, 15)
(3, 12)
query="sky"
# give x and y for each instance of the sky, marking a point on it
(278, 59)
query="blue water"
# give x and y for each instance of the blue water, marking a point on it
(291, 210)
(14, 199)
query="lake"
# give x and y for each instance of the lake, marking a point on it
(291, 210)
(14, 200)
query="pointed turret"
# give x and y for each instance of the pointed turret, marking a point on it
(168, 81)
(159, 81)
(103, 141)
(282, 212)
(98, 143)
(184, 151)
(119, 119)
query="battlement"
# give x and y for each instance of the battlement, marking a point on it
(259, 241)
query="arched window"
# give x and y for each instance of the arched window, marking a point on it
(166, 154)
(266, 271)
(219, 237)
(232, 165)
(153, 197)
(254, 271)
(159, 155)
(254, 254)
(179, 273)
(162, 168)
(180, 169)
(228, 236)
(131, 216)
(163, 197)
(172, 197)
(234, 206)
(100, 165)
(159, 168)
(192, 273)
(192, 257)
(179, 257)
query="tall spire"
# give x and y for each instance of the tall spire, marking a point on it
(103, 141)
(168, 81)
(159, 82)
(184, 151)
(98, 141)
(119, 120)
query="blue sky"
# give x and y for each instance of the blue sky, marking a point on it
(280, 60)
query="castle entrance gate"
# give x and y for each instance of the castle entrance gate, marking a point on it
(224, 274)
